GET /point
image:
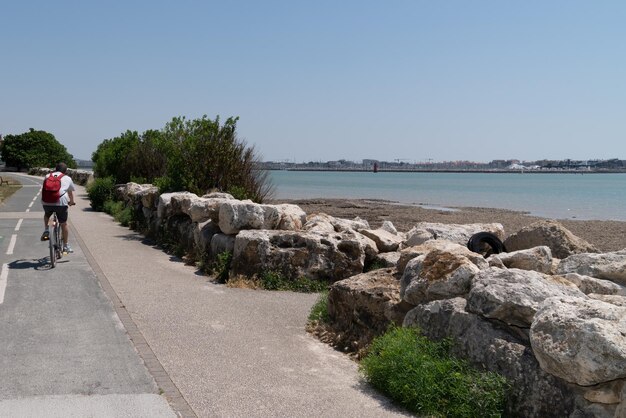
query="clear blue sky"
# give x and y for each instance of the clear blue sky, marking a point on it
(325, 80)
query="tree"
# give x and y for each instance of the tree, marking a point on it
(34, 149)
(196, 155)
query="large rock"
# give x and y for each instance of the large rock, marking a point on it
(513, 296)
(235, 215)
(297, 254)
(366, 304)
(285, 217)
(436, 275)
(580, 340)
(385, 240)
(588, 285)
(609, 266)
(552, 234)
(410, 253)
(171, 204)
(536, 259)
(533, 393)
(457, 233)
(323, 223)
(202, 235)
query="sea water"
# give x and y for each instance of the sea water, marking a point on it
(551, 195)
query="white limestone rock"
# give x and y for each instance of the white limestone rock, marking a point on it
(588, 284)
(536, 259)
(457, 233)
(513, 295)
(582, 341)
(436, 275)
(608, 266)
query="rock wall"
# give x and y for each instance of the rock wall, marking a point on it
(556, 328)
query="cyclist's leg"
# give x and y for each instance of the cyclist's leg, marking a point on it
(48, 210)
(62, 214)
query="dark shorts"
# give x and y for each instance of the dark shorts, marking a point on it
(61, 212)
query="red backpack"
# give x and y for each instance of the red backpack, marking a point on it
(51, 191)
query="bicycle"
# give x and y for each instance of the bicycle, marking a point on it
(55, 242)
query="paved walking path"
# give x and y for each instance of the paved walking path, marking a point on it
(213, 350)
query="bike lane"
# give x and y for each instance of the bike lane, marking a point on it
(63, 349)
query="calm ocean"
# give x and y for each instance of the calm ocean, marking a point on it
(559, 196)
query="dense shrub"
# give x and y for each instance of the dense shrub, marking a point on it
(193, 155)
(119, 211)
(100, 191)
(423, 377)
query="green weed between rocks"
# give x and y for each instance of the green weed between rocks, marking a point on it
(272, 280)
(221, 266)
(423, 377)
(319, 311)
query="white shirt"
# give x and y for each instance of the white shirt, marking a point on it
(67, 185)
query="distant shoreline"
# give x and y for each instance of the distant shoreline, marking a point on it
(495, 171)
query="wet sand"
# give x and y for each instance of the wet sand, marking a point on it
(606, 235)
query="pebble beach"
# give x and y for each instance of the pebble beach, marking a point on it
(605, 235)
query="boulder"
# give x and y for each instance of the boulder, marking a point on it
(408, 254)
(533, 392)
(609, 266)
(536, 259)
(285, 217)
(385, 240)
(298, 254)
(552, 234)
(218, 195)
(203, 209)
(236, 215)
(608, 393)
(580, 340)
(457, 233)
(389, 227)
(202, 235)
(321, 222)
(616, 300)
(513, 295)
(588, 285)
(221, 243)
(366, 304)
(387, 259)
(170, 204)
(436, 275)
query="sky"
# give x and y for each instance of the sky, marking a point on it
(322, 80)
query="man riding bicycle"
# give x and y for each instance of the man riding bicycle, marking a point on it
(58, 201)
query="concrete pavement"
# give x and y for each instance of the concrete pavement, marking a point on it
(216, 351)
(63, 350)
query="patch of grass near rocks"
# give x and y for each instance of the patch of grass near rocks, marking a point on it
(422, 376)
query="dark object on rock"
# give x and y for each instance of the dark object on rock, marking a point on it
(485, 243)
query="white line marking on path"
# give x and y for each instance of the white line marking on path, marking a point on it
(27, 210)
(19, 224)
(3, 280)
(31, 204)
(12, 244)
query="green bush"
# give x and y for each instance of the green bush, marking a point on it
(273, 280)
(194, 155)
(100, 191)
(423, 377)
(221, 266)
(119, 211)
(319, 311)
